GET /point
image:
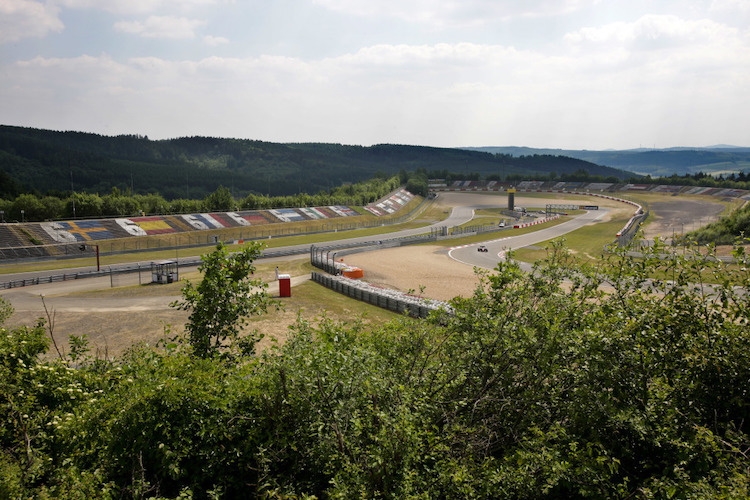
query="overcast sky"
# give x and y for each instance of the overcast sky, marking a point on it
(582, 74)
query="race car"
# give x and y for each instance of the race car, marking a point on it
(481, 248)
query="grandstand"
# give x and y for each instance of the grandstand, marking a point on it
(40, 239)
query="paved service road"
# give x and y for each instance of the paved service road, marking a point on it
(488, 260)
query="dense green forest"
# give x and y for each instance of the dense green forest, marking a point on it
(49, 162)
(530, 389)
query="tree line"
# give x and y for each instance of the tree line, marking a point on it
(31, 207)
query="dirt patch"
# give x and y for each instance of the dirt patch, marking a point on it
(115, 319)
(109, 333)
(680, 215)
(410, 268)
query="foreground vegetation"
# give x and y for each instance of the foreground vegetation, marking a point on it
(725, 231)
(531, 390)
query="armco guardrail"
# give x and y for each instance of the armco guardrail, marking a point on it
(626, 235)
(109, 271)
(194, 261)
(127, 268)
(392, 300)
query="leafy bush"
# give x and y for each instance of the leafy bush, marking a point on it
(726, 231)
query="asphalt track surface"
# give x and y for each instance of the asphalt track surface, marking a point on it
(468, 254)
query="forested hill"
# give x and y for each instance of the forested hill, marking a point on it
(716, 160)
(193, 167)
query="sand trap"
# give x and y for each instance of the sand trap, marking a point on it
(408, 268)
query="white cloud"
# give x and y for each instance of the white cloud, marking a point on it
(662, 47)
(21, 19)
(660, 31)
(215, 41)
(730, 5)
(138, 6)
(455, 12)
(161, 27)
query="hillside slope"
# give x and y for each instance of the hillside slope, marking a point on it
(655, 162)
(193, 167)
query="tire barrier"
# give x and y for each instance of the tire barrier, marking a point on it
(418, 307)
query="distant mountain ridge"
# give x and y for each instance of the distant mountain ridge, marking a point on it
(193, 167)
(665, 162)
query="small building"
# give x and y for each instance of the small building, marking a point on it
(164, 271)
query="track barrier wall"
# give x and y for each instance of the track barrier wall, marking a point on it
(385, 298)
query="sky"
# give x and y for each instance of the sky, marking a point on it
(571, 74)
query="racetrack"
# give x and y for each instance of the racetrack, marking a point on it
(114, 321)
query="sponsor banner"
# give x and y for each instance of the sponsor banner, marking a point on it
(342, 211)
(195, 222)
(310, 213)
(80, 231)
(255, 219)
(56, 231)
(131, 227)
(589, 207)
(375, 211)
(237, 219)
(287, 215)
(153, 225)
(209, 221)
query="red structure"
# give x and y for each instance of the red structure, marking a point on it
(285, 285)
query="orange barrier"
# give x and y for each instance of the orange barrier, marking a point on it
(353, 272)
